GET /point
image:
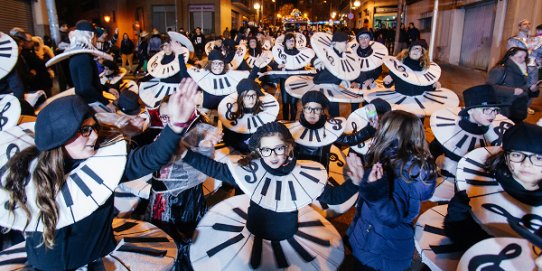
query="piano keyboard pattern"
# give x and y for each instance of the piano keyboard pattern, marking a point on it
(161, 71)
(376, 59)
(113, 79)
(152, 92)
(491, 206)
(292, 62)
(249, 123)
(86, 188)
(10, 111)
(344, 67)
(299, 84)
(224, 243)
(503, 253)
(420, 105)
(266, 55)
(418, 78)
(437, 251)
(182, 40)
(317, 137)
(355, 122)
(218, 85)
(300, 40)
(281, 193)
(8, 54)
(80, 48)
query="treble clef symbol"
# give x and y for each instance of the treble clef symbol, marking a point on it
(4, 120)
(400, 68)
(252, 167)
(493, 262)
(499, 131)
(229, 113)
(354, 127)
(11, 150)
(336, 124)
(282, 55)
(335, 158)
(330, 59)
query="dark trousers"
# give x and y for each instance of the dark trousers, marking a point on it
(289, 103)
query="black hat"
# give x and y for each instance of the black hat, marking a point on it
(267, 129)
(364, 31)
(84, 25)
(247, 84)
(381, 106)
(339, 36)
(215, 55)
(480, 96)
(421, 43)
(128, 103)
(111, 65)
(316, 97)
(523, 137)
(59, 121)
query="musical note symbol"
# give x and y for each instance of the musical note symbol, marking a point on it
(229, 113)
(282, 55)
(354, 127)
(335, 158)
(530, 221)
(330, 59)
(11, 150)
(499, 131)
(252, 167)
(4, 120)
(493, 262)
(400, 68)
(336, 124)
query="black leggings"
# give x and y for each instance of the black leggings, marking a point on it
(289, 103)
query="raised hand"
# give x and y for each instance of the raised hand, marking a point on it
(355, 168)
(376, 173)
(182, 106)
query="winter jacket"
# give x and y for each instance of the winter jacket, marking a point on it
(86, 79)
(127, 47)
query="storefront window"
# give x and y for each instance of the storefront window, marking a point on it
(202, 16)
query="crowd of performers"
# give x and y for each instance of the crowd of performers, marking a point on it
(114, 174)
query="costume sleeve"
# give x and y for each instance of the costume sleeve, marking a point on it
(15, 84)
(209, 166)
(254, 73)
(183, 70)
(84, 81)
(360, 136)
(338, 194)
(150, 158)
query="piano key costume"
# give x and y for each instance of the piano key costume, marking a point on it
(239, 122)
(270, 227)
(85, 199)
(459, 131)
(414, 81)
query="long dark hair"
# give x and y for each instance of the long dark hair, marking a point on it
(237, 114)
(512, 52)
(403, 131)
(288, 36)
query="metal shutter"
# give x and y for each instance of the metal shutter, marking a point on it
(16, 13)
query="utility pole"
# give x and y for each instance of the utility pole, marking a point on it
(53, 21)
(433, 31)
(398, 26)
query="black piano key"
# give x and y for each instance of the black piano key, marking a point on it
(385, 93)
(445, 124)
(431, 99)
(401, 100)
(362, 63)
(481, 183)
(342, 66)
(295, 86)
(145, 239)
(125, 226)
(256, 253)
(443, 118)
(269, 104)
(378, 55)
(240, 213)
(474, 163)
(472, 144)
(308, 176)
(304, 133)
(313, 239)
(302, 252)
(225, 244)
(215, 84)
(5, 55)
(482, 142)
(434, 230)
(5, 48)
(150, 86)
(159, 91)
(278, 190)
(265, 187)
(478, 172)
(325, 42)
(227, 82)
(317, 135)
(311, 168)
(65, 191)
(435, 95)
(419, 103)
(462, 141)
(280, 258)
(330, 93)
(311, 135)
(87, 170)
(221, 83)
(5, 42)
(227, 228)
(315, 223)
(84, 188)
(292, 190)
(444, 249)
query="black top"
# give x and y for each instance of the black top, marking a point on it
(86, 78)
(92, 237)
(127, 46)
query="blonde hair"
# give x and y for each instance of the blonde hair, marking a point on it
(424, 60)
(80, 37)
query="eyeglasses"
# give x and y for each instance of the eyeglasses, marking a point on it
(519, 157)
(87, 129)
(491, 110)
(266, 152)
(315, 110)
(217, 63)
(250, 96)
(164, 118)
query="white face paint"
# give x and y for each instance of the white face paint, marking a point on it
(416, 52)
(483, 116)
(525, 173)
(312, 112)
(81, 146)
(279, 151)
(217, 66)
(249, 98)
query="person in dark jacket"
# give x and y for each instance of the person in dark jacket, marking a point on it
(413, 33)
(66, 138)
(510, 80)
(127, 51)
(399, 175)
(142, 54)
(198, 39)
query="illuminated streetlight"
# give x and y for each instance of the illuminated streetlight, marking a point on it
(257, 6)
(107, 18)
(333, 14)
(357, 3)
(279, 16)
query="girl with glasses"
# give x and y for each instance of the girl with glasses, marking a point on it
(270, 227)
(58, 187)
(458, 131)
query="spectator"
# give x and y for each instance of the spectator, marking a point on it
(127, 52)
(413, 33)
(199, 42)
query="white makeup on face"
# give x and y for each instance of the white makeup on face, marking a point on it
(525, 173)
(483, 116)
(275, 144)
(81, 146)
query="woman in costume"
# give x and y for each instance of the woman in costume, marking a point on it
(402, 175)
(253, 52)
(415, 79)
(59, 190)
(291, 55)
(270, 227)
(338, 63)
(243, 112)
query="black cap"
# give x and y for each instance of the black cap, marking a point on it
(247, 84)
(339, 36)
(128, 103)
(421, 43)
(315, 97)
(523, 137)
(84, 25)
(381, 106)
(480, 96)
(59, 121)
(268, 129)
(364, 31)
(215, 55)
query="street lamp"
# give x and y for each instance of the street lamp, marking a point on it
(357, 3)
(333, 14)
(107, 18)
(257, 8)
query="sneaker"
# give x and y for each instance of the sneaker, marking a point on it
(530, 111)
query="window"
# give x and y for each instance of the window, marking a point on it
(234, 20)
(202, 16)
(163, 17)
